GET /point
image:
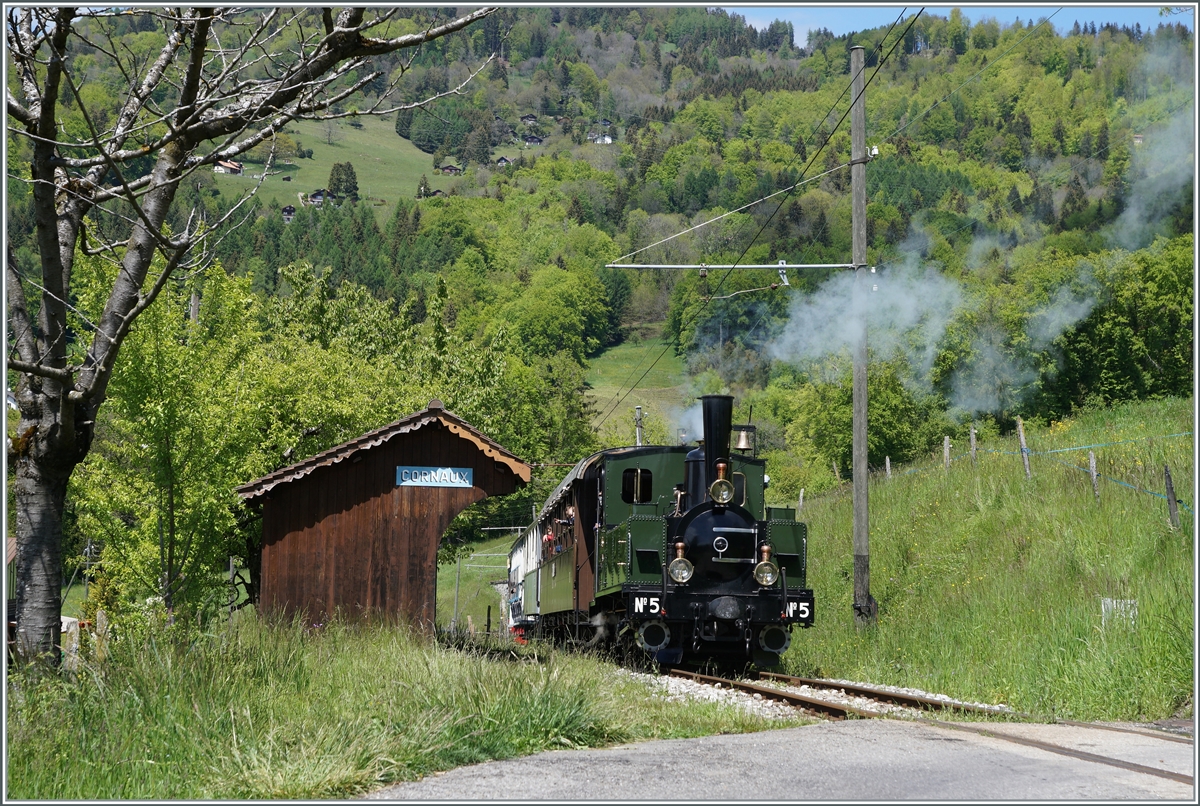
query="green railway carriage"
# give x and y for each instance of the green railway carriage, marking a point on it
(667, 548)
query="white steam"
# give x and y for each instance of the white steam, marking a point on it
(906, 309)
(1164, 166)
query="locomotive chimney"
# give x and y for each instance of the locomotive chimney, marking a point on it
(718, 424)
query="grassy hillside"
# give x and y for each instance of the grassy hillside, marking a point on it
(475, 591)
(388, 166)
(611, 373)
(990, 586)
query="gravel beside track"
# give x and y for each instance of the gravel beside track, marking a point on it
(678, 689)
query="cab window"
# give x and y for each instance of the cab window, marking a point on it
(636, 486)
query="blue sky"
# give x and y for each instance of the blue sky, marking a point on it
(846, 18)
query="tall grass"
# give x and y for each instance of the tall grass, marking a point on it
(990, 585)
(260, 710)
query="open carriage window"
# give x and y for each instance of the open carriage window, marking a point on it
(636, 486)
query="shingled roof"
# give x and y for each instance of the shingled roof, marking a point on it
(435, 412)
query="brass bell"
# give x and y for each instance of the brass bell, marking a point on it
(745, 440)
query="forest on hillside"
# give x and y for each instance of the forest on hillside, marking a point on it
(1029, 213)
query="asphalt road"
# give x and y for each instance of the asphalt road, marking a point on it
(852, 760)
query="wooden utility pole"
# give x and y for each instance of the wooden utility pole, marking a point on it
(864, 604)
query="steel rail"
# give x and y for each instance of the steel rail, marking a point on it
(833, 709)
(894, 697)
(839, 711)
(1064, 751)
(917, 701)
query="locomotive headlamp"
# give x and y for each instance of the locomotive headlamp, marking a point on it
(721, 491)
(680, 569)
(765, 573)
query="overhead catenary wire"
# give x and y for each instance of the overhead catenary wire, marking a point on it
(762, 228)
(617, 398)
(738, 210)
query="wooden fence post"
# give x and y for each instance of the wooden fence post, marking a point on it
(1092, 473)
(70, 645)
(836, 473)
(1172, 504)
(946, 452)
(887, 466)
(800, 502)
(972, 442)
(1024, 448)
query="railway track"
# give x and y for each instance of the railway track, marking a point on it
(812, 702)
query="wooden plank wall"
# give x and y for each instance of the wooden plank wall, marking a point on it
(346, 538)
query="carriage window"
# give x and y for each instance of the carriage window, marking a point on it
(636, 486)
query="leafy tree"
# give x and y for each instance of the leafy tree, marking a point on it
(198, 100)
(178, 432)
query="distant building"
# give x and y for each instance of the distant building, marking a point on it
(599, 139)
(228, 167)
(503, 161)
(605, 122)
(318, 197)
(532, 140)
(289, 213)
(529, 120)
(1137, 139)
(453, 170)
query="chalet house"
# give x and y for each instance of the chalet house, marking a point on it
(289, 213)
(532, 140)
(317, 197)
(529, 120)
(228, 167)
(453, 170)
(599, 139)
(1137, 139)
(605, 122)
(503, 161)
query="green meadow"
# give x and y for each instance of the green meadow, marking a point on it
(991, 586)
(388, 167)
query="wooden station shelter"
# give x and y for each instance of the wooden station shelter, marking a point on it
(357, 527)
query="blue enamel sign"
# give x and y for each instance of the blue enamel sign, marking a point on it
(408, 476)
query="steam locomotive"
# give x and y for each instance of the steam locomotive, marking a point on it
(669, 550)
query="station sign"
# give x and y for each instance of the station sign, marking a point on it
(410, 476)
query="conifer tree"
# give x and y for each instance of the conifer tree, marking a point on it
(343, 181)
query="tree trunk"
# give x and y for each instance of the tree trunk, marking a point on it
(41, 492)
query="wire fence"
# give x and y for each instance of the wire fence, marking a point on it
(1050, 455)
